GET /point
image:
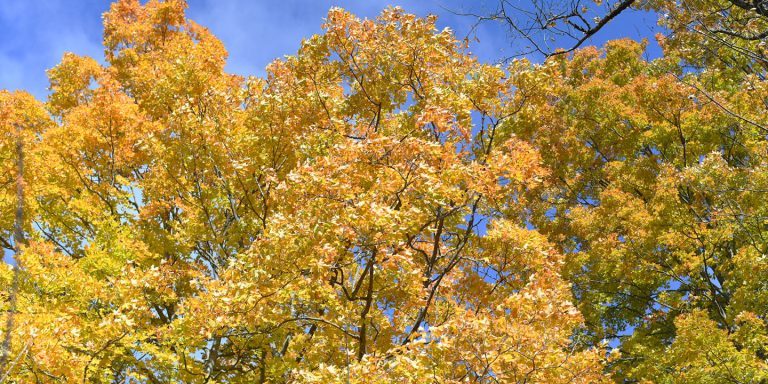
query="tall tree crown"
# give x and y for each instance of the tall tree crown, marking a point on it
(383, 207)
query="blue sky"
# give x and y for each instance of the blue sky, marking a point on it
(36, 33)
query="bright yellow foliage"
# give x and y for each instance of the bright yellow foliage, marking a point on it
(383, 208)
(320, 225)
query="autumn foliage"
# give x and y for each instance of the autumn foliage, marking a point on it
(384, 208)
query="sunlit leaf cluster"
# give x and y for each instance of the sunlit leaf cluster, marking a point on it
(382, 207)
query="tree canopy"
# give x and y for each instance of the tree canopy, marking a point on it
(384, 207)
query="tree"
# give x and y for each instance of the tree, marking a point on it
(551, 27)
(725, 31)
(356, 216)
(383, 207)
(653, 191)
(656, 177)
